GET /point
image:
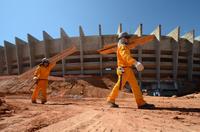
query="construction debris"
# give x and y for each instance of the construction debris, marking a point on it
(5, 108)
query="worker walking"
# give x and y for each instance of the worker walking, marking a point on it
(125, 73)
(41, 77)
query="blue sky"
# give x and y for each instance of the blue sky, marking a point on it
(19, 17)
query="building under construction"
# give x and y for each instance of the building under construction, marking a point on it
(171, 62)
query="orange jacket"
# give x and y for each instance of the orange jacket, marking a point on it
(43, 72)
(124, 58)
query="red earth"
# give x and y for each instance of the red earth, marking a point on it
(79, 104)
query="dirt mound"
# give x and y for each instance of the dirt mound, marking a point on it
(14, 85)
(82, 87)
(194, 95)
(75, 87)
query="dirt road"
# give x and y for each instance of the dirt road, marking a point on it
(93, 114)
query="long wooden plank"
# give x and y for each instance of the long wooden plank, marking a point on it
(134, 42)
(53, 59)
(112, 45)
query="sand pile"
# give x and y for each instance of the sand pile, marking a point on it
(13, 85)
(76, 88)
(194, 95)
(93, 86)
(82, 87)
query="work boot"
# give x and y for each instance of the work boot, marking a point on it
(146, 106)
(43, 101)
(33, 101)
(113, 105)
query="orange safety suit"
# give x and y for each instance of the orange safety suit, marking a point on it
(42, 74)
(125, 60)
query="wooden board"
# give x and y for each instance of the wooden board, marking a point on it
(53, 59)
(134, 42)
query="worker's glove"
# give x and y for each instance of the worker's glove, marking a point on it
(120, 70)
(35, 78)
(139, 66)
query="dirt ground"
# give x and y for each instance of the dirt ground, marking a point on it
(79, 105)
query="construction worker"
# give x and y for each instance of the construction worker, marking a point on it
(125, 73)
(41, 78)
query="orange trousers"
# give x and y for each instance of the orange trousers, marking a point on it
(41, 86)
(129, 76)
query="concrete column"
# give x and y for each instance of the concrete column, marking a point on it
(20, 47)
(157, 33)
(190, 37)
(64, 40)
(9, 48)
(138, 32)
(175, 35)
(119, 30)
(140, 60)
(32, 41)
(47, 41)
(198, 49)
(190, 61)
(81, 41)
(101, 46)
(2, 58)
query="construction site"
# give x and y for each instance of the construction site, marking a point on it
(85, 74)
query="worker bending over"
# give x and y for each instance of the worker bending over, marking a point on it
(41, 77)
(125, 73)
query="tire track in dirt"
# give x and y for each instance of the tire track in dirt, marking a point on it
(74, 123)
(93, 115)
(37, 116)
